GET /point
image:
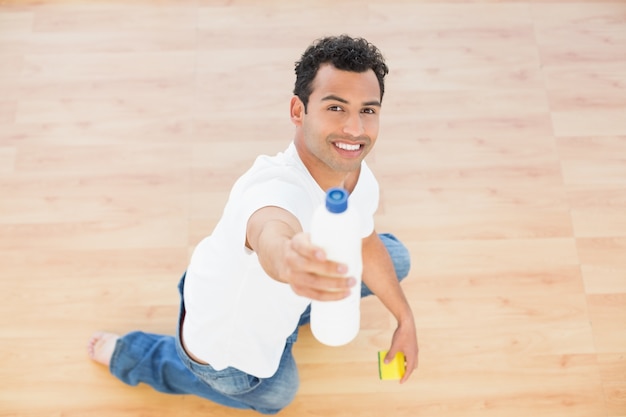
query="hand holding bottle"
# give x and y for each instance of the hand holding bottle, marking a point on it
(311, 274)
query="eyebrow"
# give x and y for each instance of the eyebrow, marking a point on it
(332, 97)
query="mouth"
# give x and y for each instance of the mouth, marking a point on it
(350, 147)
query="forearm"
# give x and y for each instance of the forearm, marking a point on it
(268, 234)
(271, 248)
(380, 277)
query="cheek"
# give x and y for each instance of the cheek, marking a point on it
(313, 133)
(323, 125)
(371, 128)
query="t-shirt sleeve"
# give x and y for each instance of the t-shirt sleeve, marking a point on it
(277, 193)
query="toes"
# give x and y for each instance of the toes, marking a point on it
(101, 346)
(95, 339)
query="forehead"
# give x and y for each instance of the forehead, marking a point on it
(361, 86)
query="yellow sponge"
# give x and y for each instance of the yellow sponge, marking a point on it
(392, 370)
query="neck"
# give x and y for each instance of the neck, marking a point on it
(339, 179)
(325, 176)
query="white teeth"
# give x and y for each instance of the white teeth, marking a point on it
(347, 147)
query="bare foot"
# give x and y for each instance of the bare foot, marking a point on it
(101, 347)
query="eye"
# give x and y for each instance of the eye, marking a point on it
(335, 108)
(369, 110)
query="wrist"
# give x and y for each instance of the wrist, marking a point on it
(405, 317)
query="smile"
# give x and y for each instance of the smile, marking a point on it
(347, 147)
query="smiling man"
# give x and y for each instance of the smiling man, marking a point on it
(249, 284)
(337, 125)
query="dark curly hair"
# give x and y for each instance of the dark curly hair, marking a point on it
(344, 53)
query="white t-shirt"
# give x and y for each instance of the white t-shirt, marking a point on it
(237, 315)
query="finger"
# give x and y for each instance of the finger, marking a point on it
(321, 295)
(407, 374)
(304, 256)
(301, 243)
(329, 270)
(317, 262)
(322, 288)
(410, 366)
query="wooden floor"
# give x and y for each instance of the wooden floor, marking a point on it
(502, 163)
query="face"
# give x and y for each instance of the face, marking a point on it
(340, 125)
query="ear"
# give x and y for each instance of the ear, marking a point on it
(296, 110)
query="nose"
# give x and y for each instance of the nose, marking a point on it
(353, 125)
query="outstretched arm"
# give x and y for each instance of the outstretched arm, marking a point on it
(379, 275)
(287, 255)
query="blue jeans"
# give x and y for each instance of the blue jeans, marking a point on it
(161, 362)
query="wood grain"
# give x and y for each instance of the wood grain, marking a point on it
(501, 159)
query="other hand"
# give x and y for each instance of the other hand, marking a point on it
(405, 340)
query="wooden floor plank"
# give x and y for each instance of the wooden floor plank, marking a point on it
(501, 159)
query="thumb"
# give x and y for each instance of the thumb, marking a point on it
(391, 354)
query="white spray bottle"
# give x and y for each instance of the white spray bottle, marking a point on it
(335, 228)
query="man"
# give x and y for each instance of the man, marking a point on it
(249, 285)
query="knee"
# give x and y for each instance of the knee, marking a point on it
(279, 399)
(399, 255)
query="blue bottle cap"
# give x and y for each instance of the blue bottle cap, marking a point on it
(336, 200)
